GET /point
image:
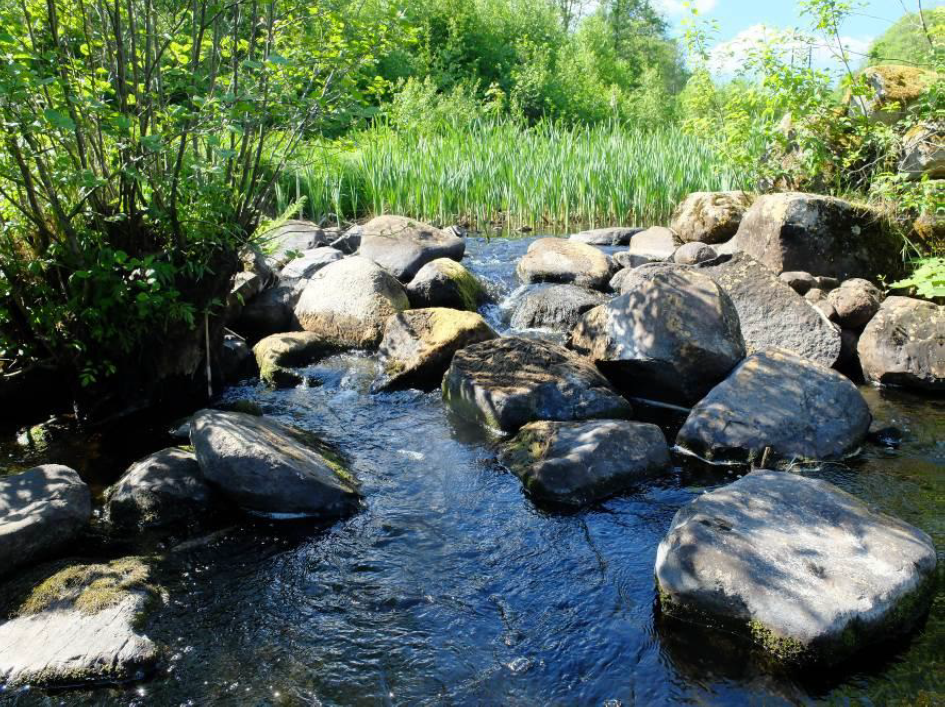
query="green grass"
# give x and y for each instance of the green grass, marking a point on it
(548, 178)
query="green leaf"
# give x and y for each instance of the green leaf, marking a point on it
(58, 120)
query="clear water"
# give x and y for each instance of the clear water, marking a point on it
(451, 587)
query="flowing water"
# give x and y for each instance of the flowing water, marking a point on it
(452, 587)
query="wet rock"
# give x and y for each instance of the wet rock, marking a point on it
(693, 253)
(269, 313)
(818, 234)
(669, 338)
(553, 306)
(888, 436)
(292, 238)
(904, 345)
(402, 246)
(856, 301)
(710, 216)
(445, 283)
(310, 262)
(652, 245)
(565, 262)
(813, 574)
(41, 511)
(419, 344)
(270, 468)
(778, 407)
(619, 235)
(278, 354)
(163, 489)
(236, 359)
(800, 282)
(511, 381)
(923, 152)
(575, 463)
(348, 302)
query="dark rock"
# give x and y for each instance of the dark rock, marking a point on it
(619, 235)
(886, 436)
(236, 358)
(556, 307)
(566, 262)
(710, 217)
(445, 283)
(402, 246)
(856, 301)
(800, 282)
(349, 241)
(269, 313)
(826, 284)
(631, 278)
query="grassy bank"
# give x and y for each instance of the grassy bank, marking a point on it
(548, 178)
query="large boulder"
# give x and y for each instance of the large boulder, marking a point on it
(509, 382)
(855, 301)
(923, 152)
(772, 314)
(552, 306)
(670, 338)
(310, 262)
(904, 345)
(630, 278)
(270, 468)
(778, 408)
(820, 235)
(291, 238)
(78, 623)
(41, 511)
(278, 354)
(575, 463)
(402, 246)
(348, 302)
(653, 245)
(163, 489)
(710, 216)
(419, 344)
(563, 261)
(813, 574)
(614, 236)
(445, 283)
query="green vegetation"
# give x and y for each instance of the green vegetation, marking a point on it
(911, 41)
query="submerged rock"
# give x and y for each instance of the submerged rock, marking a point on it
(710, 216)
(575, 463)
(856, 301)
(556, 307)
(41, 511)
(402, 246)
(511, 381)
(652, 245)
(267, 467)
(419, 344)
(567, 262)
(670, 338)
(614, 236)
(777, 401)
(811, 572)
(445, 283)
(278, 354)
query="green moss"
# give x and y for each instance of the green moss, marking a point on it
(784, 648)
(469, 288)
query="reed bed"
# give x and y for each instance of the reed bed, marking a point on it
(547, 178)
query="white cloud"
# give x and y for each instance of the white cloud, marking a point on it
(677, 7)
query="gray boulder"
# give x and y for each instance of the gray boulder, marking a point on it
(710, 216)
(445, 283)
(575, 463)
(270, 468)
(813, 574)
(509, 382)
(41, 511)
(348, 302)
(630, 278)
(556, 307)
(402, 246)
(653, 245)
(904, 345)
(291, 238)
(772, 314)
(670, 338)
(163, 489)
(693, 253)
(618, 235)
(310, 262)
(270, 312)
(278, 354)
(778, 408)
(567, 262)
(856, 301)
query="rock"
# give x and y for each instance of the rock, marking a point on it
(622, 259)
(652, 245)
(619, 235)
(815, 295)
(41, 510)
(419, 345)
(310, 262)
(575, 463)
(163, 489)
(616, 282)
(269, 313)
(827, 310)
(813, 574)
(278, 354)
(693, 253)
(255, 262)
(904, 345)
(291, 238)
(270, 468)
(710, 216)
(236, 360)
(855, 301)
(777, 401)
(349, 241)
(566, 262)
(552, 306)
(445, 283)
(402, 246)
(800, 282)
(511, 381)
(772, 314)
(929, 231)
(246, 285)
(730, 247)
(670, 338)
(818, 234)
(79, 626)
(826, 283)
(632, 277)
(348, 302)
(923, 152)
(895, 89)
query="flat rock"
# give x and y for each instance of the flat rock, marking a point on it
(575, 463)
(278, 354)
(509, 382)
(270, 468)
(566, 262)
(772, 314)
(41, 510)
(310, 262)
(710, 216)
(557, 307)
(813, 574)
(445, 283)
(775, 400)
(402, 246)
(614, 236)
(653, 245)
(670, 338)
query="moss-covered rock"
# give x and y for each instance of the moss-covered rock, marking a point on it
(894, 89)
(445, 283)
(277, 354)
(710, 217)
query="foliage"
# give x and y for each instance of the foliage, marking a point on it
(928, 278)
(910, 40)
